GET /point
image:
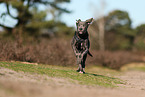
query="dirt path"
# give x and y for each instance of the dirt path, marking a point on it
(13, 84)
(134, 80)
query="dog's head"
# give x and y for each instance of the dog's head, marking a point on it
(82, 26)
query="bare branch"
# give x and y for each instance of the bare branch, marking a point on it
(53, 5)
(8, 12)
(28, 4)
(61, 9)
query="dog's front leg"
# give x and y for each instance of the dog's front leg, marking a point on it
(76, 52)
(79, 62)
(81, 69)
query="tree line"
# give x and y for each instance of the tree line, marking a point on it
(32, 21)
(119, 33)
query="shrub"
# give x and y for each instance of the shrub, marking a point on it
(54, 51)
(59, 52)
(114, 60)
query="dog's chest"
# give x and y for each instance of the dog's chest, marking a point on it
(80, 45)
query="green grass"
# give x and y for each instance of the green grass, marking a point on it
(140, 69)
(134, 66)
(64, 72)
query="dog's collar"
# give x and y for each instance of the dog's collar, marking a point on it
(84, 36)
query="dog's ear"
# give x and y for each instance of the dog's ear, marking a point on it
(89, 20)
(77, 21)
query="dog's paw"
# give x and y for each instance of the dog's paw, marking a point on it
(81, 72)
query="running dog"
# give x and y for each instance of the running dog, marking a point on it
(81, 44)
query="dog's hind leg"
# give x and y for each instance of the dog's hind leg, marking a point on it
(83, 62)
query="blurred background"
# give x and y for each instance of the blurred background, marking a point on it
(40, 31)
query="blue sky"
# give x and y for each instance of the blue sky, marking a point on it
(85, 9)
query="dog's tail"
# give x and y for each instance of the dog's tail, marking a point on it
(90, 54)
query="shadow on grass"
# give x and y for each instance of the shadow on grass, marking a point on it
(99, 75)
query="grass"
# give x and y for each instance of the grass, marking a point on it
(64, 72)
(134, 66)
(140, 69)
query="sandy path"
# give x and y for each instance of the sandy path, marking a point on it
(134, 80)
(13, 84)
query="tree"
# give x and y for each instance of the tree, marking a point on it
(101, 26)
(118, 24)
(98, 27)
(140, 30)
(26, 11)
(117, 19)
(140, 37)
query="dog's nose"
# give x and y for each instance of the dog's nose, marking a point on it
(80, 28)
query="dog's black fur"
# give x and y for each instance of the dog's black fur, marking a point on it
(81, 44)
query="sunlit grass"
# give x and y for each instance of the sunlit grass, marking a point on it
(64, 72)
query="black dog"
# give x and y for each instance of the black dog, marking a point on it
(81, 44)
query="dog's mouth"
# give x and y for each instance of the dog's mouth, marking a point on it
(80, 32)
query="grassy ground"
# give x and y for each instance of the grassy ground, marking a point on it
(134, 66)
(64, 72)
